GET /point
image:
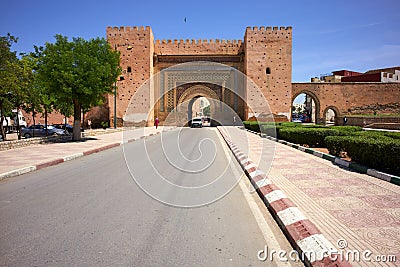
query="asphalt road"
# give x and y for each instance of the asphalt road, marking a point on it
(178, 204)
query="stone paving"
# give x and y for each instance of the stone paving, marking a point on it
(354, 211)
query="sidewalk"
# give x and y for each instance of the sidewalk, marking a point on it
(17, 161)
(319, 204)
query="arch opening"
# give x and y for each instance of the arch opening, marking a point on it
(330, 115)
(305, 108)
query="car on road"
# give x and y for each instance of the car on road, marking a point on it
(197, 122)
(39, 130)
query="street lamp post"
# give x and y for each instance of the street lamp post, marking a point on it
(121, 78)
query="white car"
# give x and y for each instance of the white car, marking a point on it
(197, 122)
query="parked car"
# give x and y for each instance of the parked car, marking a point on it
(39, 130)
(305, 118)
(63, 126)
(67, 127)
(197, 122)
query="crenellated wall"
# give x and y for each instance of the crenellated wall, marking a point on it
(198, 47)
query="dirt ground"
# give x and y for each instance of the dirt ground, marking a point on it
(325, 150)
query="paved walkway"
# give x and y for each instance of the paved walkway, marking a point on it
(25, 159)
(355, 212)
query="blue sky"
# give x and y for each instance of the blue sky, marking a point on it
(327, 35)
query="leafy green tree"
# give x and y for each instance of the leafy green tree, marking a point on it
(40, 91)
(207, 111)
(15, 79)
(35, 93)
(79, 73)
(8, 76)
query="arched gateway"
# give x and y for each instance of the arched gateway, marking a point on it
(263, 57)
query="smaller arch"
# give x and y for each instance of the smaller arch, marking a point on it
(268, 71)
(335, 115)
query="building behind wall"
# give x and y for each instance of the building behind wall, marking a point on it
(386, 75)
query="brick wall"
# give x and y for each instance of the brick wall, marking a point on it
(352, 98)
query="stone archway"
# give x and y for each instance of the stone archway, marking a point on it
(317, 105)
(186, 100)
(327, 115)
(197, 91)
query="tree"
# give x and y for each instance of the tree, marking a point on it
(8, 76)
(35, 93)
(15, 79)
(79, 73)
(207, 111)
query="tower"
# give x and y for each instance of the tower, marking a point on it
(268, 63)
(136, 45)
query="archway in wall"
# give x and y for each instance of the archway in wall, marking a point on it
(330, 115)
(199, 107)
(197, 93)
(305, 108)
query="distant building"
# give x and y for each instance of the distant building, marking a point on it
(299, 106)
(386, 75)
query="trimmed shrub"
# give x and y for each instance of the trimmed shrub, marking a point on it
(382, 154)
(336, 144)
(313, 137)
(255, 125)
(345, 130)
(252, 125)
(394, 135)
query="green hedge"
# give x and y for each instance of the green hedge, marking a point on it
(376, 149)
(347, 129)
(252, 125)
(313, 137)
(381, 154)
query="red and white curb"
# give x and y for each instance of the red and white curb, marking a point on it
(56, 161)
(313, 247)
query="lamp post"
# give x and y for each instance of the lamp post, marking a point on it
(121, 78)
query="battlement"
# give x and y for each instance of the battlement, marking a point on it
(269, 29)
(199, 41)
(127, 29)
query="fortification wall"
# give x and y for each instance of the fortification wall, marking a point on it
(268, 63)
(352, 98)
(198, 47)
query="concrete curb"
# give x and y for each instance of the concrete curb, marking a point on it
(338, 161)
(56, 161)
(313, 247)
